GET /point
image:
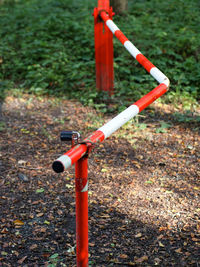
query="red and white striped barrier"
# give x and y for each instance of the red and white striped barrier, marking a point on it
(155, 72)
(77, 152)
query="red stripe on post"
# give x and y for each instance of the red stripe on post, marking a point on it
(121, 37)
(151, 96)
(95, 137)
(81, 170)
(144, 62)
(103, 5)
(103, 52)
(75, 153)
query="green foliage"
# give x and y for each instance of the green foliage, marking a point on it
(168, 33)
(163, 127)
(187, 117)
(47, 47)
(2, 126)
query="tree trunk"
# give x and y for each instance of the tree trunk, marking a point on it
(119, 6)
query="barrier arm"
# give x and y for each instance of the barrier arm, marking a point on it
(78, 151)
(78, 154)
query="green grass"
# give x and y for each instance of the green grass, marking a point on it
(47, 47)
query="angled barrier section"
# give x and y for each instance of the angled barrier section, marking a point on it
(80, 150)
(155, 72)
(106, 130)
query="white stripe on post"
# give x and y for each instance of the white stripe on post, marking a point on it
(158, 75)
(113, 125)
(131, 49)
(65, 160)
(167, 82)
(111, 25)
(85, 189)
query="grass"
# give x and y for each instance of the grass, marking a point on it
(47, 47)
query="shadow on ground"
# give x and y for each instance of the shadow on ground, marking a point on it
(116, 239)
(143, 195)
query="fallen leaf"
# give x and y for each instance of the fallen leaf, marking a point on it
(21, 162)
(163, 228)
(46, 255)
(43, 230)
(54, 256)
(168, 192)
(40, 214)
(22, 260)
(148, 182)
(69, 186)
(161, 244)
(196, 188)
(41, 190)
(18, 222)
(34, 246)
(123, 256)
(178, 250)
(4, 231)
(136, 164)
(157, 261)
(138, 235)
(142, 259)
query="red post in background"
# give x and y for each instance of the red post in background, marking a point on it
(81, 170)
(103, 49)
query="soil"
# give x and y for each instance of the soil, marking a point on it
(143, 187)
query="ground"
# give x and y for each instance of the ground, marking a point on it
(143, 186)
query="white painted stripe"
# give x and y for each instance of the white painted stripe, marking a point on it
(65, 160)
(112, 26)
(85, 189)
(131, 49)
(158, 75)
(167, 82)
(114, 124)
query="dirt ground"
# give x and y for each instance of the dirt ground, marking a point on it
(143, 187)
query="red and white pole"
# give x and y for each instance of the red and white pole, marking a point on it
(81, 171)
(103, 48)
(78, 154)
(155, 72)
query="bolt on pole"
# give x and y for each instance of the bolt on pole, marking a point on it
(103, 49)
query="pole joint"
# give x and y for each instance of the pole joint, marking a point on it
(74, 137)
(90, 145)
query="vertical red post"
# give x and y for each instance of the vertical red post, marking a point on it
(81, 170)
(103, 48)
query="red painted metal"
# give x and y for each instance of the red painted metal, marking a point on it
(144, 62)
(149, 98)
(122, 38)
(81, 170)
(78, 154)
(103, 49)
